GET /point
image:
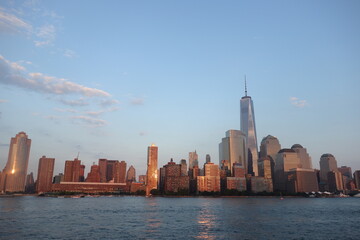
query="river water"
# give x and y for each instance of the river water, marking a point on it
(30, 217)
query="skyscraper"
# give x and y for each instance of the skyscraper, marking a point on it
(270, 146)
(94, 174)
(183, 164)
(45, 174)
(131, 174)
(193, 159)
(208, 158)
(247, 123)
(285, 160)
(72, 171)
(120, 172)
(232, 149)
(328, 163)
(151, 173)
(14, 173)
(305, 158)
(211, 181)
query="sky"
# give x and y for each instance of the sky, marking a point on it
(106, 79)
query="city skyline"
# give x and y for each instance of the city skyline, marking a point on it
(172, 74)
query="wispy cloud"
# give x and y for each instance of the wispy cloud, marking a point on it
(137, 101)
(69, 53)
(11, 73)
(98, 113)
(297, 102)
(3, 100)
(75, 102)
(53, 118)
(9, 23)
(69, 110)
(89, 121)
(46, 34)
(109, 102)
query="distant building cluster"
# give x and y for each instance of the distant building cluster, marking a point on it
(242, 167)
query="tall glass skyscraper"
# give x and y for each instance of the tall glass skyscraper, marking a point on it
(14, 173)
(247, 126)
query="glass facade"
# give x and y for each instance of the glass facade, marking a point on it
(15, 170)
(233, 149)
(247, 126)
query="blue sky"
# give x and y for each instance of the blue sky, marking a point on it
(109, 78)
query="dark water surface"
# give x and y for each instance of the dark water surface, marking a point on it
(31, 217)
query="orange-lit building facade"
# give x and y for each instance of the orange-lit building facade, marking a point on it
(152, 172)
(211, 181)
(173, 181)
(94, 174)
(45, 174)
(73, 171)
(14, 174)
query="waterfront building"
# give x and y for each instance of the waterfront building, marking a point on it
(357, 179)
(1, 181)
(193, 159)
(208, 158)
(142, 179)
(266, 167)
(15, 171)
(94, 174)
(103, 169)
(261, 184)
(285, 160)
(211, 181)
(328, 164)
(119, 172)
(247, 123)
(152, 174)
(131, 174)
(305, 159)
(301, 180)
(72, 170)
(233, 149)
(30, 183)
(89, 187)
(136, 187)
(58, 178)
(162, 179)
(82, 173)
(237, 181)
(112, 170)
(346, 171)
(45, 174)
(269, 146)
(184, 171)
(335, 181)
(173, 180)
(347, 177)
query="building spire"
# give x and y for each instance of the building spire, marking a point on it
(245, 87)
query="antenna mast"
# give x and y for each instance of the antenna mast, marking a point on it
(245, 87)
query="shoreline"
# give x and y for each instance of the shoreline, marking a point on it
(161, 196)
